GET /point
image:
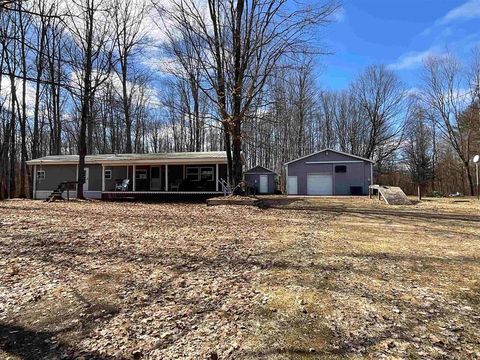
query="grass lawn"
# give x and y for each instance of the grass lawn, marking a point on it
(316, 278)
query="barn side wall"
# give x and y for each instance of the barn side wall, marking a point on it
(357, 175)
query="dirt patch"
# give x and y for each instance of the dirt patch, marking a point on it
(315, 278)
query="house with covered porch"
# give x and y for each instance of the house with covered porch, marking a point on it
(139, 176)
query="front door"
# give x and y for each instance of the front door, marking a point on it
(263, 184)
(87, 173)
(155, 179)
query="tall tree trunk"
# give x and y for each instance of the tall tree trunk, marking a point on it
(237, 153)
(23, 122)
(126, 106)
(471, 185)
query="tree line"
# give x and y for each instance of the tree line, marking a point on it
(90, 76)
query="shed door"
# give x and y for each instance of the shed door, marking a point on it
(292, 188)
(319, 184)
(263, 184)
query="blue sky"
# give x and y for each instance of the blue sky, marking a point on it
(398, 33)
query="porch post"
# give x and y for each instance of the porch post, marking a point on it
(216, 177)
(103, 177)
(166, 177)
(134, 178)
(34, 182)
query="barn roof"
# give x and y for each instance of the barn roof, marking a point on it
(259, 167)
(335, 151)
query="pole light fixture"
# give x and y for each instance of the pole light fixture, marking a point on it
(476, 160)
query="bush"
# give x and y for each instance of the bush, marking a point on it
(437, 194)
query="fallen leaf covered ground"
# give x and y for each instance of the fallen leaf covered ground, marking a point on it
(317, 278)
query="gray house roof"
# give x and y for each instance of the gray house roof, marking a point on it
(335, 151)
(177, 158)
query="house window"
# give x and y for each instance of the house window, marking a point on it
(41, 175)
(200, 173)
(141, 174)
(341, 169)
(192, 173)
(108, 174)
(206, 174)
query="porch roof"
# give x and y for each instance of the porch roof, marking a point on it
(131, 159)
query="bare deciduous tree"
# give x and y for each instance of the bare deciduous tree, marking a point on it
(444, 95)
(91, 55)
(238, 44)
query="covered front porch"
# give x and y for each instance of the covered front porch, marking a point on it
(146, 180)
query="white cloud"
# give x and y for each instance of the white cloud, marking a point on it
(340, 15)
(5, 94)
(413, 59)
(466, 11)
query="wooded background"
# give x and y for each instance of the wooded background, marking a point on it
(91, 76)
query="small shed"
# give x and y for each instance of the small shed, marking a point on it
(261, 179)
(329, 172)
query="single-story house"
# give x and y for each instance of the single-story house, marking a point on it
(329, 172)
(261, 179)
(133, 175)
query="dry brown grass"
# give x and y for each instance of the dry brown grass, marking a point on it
(324, 278)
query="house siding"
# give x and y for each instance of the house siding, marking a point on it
(95, 177)
(118, 174)
(358, 172)
(54, 175)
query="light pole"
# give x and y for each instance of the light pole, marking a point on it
(476, 159)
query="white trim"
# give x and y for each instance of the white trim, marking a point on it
(166, 177)
(134, 178)
(335, 151)
(185, 161)
(216, 177)
(334, 162)
(109, 171)
(34, 182)
(260, 174)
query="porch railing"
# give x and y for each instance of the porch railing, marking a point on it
(226, 188)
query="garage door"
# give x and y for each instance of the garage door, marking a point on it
(319, 184)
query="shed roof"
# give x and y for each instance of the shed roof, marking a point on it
(335, 151)
(253, 170)
(179, 157)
